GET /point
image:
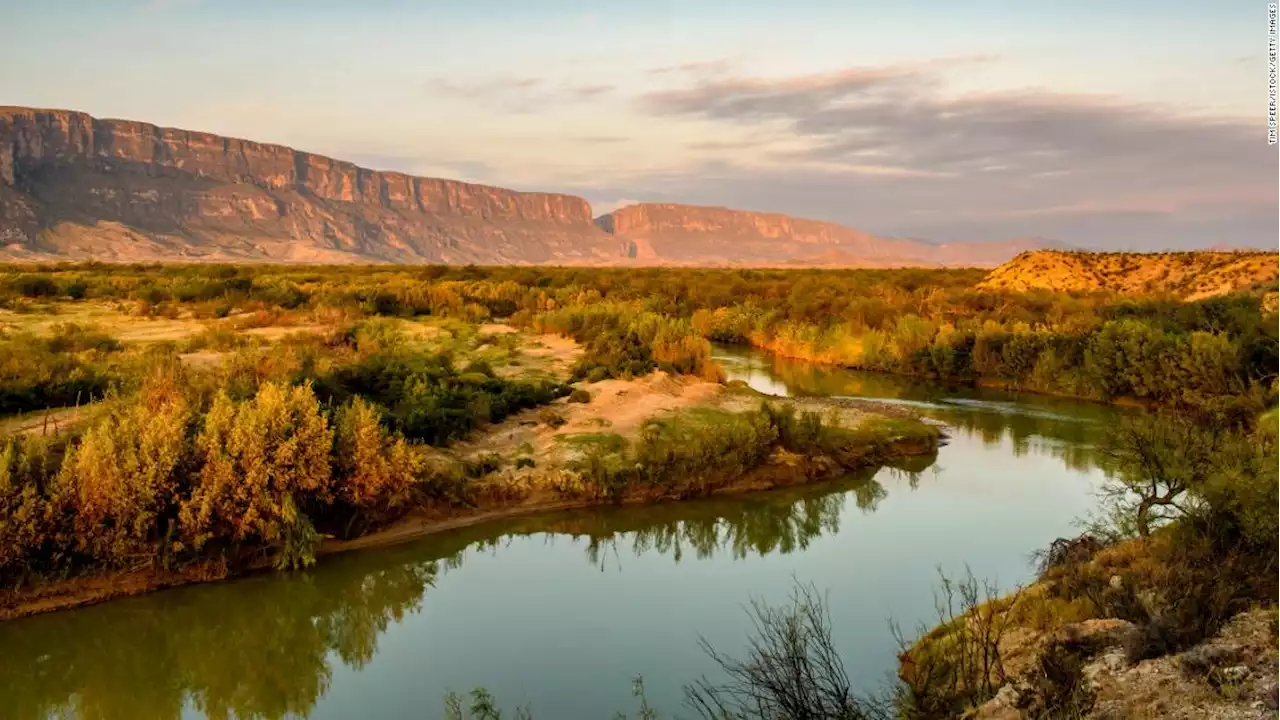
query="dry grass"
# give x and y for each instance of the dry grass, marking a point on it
(1189, 275)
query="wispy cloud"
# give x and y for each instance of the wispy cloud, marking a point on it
(517, 93)
(701, 67)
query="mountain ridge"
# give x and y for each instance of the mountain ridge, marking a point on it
(73, 186)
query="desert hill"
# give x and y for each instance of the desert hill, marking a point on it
(77, 187)
(1189, 275)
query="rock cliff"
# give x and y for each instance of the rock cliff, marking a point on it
(695, 235)
(76, 186)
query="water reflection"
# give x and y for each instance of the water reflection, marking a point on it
(782, 521)
(255, 648)
(1065, 429)
(385, 632)
(267, 646)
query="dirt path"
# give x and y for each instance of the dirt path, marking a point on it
(618, 407)
(52, 421)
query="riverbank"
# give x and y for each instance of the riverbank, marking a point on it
(1100, 634)
(784, 352)
(542, 460)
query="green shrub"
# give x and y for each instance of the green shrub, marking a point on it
(374, 472)
(124, 476)
(34, 540)
(264, 461)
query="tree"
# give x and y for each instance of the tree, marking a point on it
(373, 469)
(264, 460)
(1156, 460)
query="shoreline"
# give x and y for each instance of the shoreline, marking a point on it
(976, 382)
(780, 471)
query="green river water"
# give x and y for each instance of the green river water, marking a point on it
(561, 612)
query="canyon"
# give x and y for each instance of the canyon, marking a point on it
(76, 187)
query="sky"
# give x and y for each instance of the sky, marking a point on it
(1125, 124)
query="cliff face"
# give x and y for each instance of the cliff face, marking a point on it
(656, 219)
(74, 185)
(695, 235)
(77, 187)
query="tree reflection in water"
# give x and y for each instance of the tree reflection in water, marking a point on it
(254, 648)
(780, 521)
(1065, 429)
(262, 647)
(267, 646)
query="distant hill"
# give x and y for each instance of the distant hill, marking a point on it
(1189, 275)
(669, 233)
(75, 187)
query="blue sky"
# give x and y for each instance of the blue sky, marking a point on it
(1121, 124)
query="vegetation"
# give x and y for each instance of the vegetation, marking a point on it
(1186, 541)
(255, 456)
(1217, 355)
(695, 452)
(222, 440)
(263, 457)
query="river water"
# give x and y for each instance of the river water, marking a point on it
(561, 612)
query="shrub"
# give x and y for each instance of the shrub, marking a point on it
(579, 396)
(373, 471)
(32, 541)
(123, 477)
(551, 418)
(265, 460)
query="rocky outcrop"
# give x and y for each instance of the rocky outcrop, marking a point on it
(663, 233)
(74, 185)
(77, 187)
(1190, 275)
(655, 219)
(1229, 676)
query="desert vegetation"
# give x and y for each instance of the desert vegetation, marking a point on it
(1217, 354)
(210, 420)
(1184, 542)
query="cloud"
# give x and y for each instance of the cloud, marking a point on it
(753, 99)
(700, 67)
(887, 146)
(518, 94)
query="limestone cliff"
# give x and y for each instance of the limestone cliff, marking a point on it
(696, 235)
(76, 186)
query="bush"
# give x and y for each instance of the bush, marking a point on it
(33, 540)
(123, 477)
(551, 418)
(265, 461)
(374, 471)
(579, 396)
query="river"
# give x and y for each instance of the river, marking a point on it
(561, 612)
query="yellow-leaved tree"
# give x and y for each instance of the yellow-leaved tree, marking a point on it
(122, 479)
(264, 460)
(374, 471)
